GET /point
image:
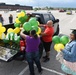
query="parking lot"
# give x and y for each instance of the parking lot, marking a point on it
(53, 67)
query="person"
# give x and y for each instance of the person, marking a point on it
(10, 18)
(69, 56)
(47, 39)
(1, 19)
(32, 51)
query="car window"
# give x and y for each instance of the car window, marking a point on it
(46, 18)
(52, 17)
(38, 19)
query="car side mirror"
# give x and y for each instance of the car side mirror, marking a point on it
(57, 20)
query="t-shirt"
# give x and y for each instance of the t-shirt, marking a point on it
(49, 31)
(32, 44)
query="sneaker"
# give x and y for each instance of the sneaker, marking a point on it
(44, 57)
(41, 72)
(46, 60)
(31, 74)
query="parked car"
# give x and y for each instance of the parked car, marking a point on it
(62, 10)
(69, 12)
(18, 10)
(44, 17)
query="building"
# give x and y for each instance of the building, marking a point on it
(4, 6)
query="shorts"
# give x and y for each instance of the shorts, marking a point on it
(46, 46)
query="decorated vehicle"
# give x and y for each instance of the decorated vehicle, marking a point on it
(10, 38)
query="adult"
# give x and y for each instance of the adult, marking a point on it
(32, 51)
(1, 19)
(69, 55)
(47, 38)
(10, 18)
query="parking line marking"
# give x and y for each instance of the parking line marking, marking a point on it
(23, 71)
(50, 70)
(72, 19)
(53, 71)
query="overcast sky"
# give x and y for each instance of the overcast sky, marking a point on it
(53, 3)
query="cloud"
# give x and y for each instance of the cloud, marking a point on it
(60, 3)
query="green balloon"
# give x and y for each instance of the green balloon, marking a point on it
(5, 41)
(26, 17)
(23, 11)
(33, 22)
(23, 19)
(18, 40)
(27, 26)
(35, 28)
(56, 39)
(64, 40)
(16, 24)
(11, 35)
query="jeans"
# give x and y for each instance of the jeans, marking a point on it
(32, 57)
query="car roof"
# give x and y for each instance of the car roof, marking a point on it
(41, 13)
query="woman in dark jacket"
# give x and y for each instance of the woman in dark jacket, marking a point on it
(10, 19)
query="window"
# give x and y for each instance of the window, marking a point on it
(46, 18)
(52, 17)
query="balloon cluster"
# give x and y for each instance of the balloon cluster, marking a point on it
(60, 42)
(11, 34)
(12, 37)
(32, 24)
(21, 18)
(2, 30)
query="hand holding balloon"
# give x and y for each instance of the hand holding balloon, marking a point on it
(60, 42)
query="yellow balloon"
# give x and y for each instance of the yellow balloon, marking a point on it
(17, 20)
(16, 30)
(38, 22)
(39, 31)
(22, 14)
(57, 47)
(19, 15)
(10, 30)
(0, 24)
(2, 36)
(3, 29)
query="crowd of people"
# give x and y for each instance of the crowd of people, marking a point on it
(32, 49)
(32, 46)
(10, 18)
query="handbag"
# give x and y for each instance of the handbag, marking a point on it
(59, 57)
